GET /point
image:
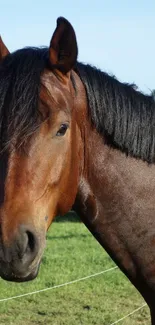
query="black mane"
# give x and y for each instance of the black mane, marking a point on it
(20, 74)
(123, 115)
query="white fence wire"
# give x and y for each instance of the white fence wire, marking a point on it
(72, 282)
(59, 285)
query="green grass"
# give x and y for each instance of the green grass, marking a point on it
(72, 253)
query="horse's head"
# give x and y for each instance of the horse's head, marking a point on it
(40, 148)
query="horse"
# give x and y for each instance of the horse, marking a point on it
(74, 137)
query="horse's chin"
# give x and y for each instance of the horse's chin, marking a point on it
(19, 277)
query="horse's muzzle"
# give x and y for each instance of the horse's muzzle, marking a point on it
(20, 259)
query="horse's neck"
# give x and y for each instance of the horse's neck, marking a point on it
(116, 201)
(113, 189)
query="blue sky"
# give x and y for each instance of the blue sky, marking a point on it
(116, 36)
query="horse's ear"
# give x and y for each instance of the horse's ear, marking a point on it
(3, 49)
(63, 46)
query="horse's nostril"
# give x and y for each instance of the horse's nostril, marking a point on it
(27, 244)
(31, 243)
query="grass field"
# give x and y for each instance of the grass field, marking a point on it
(72, 253)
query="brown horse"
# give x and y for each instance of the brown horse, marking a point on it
(73, 136)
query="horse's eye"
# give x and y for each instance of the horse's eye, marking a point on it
(62, 130)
